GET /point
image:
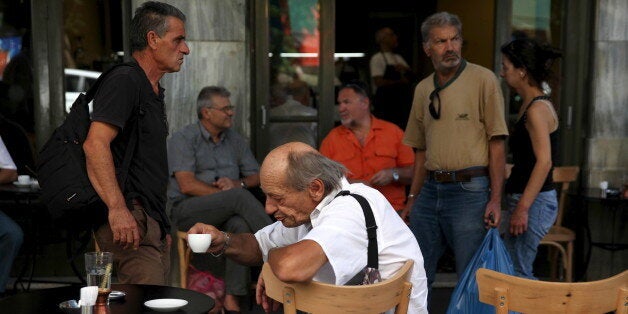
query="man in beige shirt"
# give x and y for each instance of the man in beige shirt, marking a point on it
(457, 127)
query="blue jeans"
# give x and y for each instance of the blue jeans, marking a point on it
(11, 238)
(449, 214)
(541, 217)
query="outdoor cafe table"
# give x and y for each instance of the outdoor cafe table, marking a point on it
(47, 300)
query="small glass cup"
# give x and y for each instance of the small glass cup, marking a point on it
(99, 266)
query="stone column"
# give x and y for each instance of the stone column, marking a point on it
(218, 56)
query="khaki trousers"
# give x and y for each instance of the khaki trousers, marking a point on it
(150, 264)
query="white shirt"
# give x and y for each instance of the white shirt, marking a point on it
(6, 162)
(378, 64)
(338, 226)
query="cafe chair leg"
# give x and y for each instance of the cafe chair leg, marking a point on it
(184, 257)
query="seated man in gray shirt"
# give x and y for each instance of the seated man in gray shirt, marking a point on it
(211, 167)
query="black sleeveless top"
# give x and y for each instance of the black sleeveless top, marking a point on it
(523, 155)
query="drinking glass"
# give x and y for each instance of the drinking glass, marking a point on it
(98, 266)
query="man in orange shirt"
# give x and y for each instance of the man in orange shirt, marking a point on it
(369, 147)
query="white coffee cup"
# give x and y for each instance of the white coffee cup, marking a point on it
(199, 243)
(24, 179)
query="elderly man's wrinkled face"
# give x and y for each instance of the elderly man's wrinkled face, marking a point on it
(285, 203)
(289, 206)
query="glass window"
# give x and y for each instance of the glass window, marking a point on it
(541, 20)
(294, 71)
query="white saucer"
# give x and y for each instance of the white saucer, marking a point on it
(22, 185)
(165, 305)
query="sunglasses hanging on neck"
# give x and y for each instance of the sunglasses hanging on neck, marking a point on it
(433, 111)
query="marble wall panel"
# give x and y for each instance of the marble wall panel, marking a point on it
(610, 95)
(209, 63)
(612, 20)
(211, 20)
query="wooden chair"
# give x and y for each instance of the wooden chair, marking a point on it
(558, 236)
(184, 257)
(316, 297)
(512, 293)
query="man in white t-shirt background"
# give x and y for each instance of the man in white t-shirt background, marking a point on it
(392, 80)
(11, 235)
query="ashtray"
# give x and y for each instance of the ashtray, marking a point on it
(612, 193)
(70, 307)
(115, 295)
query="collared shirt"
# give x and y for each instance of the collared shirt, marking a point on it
(382, 149)
(337, 224)
(472, 112)
(192, 149)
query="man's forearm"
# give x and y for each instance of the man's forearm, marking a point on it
(419, 173)
(7, 175)
(244, 249)
(497, 166)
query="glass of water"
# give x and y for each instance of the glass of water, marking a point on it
(99, 266)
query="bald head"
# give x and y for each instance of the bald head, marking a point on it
(296, 165)
(277, 160)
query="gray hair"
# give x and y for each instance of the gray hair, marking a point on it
(305, 167)
(204, 99)
(151, 16)
(440, 19)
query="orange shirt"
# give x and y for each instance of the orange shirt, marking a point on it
(382, 150)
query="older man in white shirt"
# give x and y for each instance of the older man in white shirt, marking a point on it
(319, 236)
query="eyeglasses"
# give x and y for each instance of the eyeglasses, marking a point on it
(224, 109)
(435, 113)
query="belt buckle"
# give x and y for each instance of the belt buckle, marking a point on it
(443, 176)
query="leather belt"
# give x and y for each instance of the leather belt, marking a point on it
(463, 175)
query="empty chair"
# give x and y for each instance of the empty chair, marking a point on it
(317, 298)
(558, 236)
(513, 293)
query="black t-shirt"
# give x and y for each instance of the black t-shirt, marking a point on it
(116, 103)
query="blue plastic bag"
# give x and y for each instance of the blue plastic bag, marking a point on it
(492, 254)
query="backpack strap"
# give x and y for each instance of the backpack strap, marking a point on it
(371, 228)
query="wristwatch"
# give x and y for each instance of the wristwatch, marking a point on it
(395, 174)
(242, 184)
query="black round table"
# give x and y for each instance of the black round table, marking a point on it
(610, 222)
(47, 300)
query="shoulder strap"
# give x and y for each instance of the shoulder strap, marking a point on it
(371, 228)
(89, 96)
(384, 56)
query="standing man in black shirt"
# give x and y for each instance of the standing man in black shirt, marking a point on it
(137, 228)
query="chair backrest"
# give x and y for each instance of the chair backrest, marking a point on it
(560, 175)
(563, 176)
(316, 297)
(507, 292)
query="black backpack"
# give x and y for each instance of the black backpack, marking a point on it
(61, 168)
